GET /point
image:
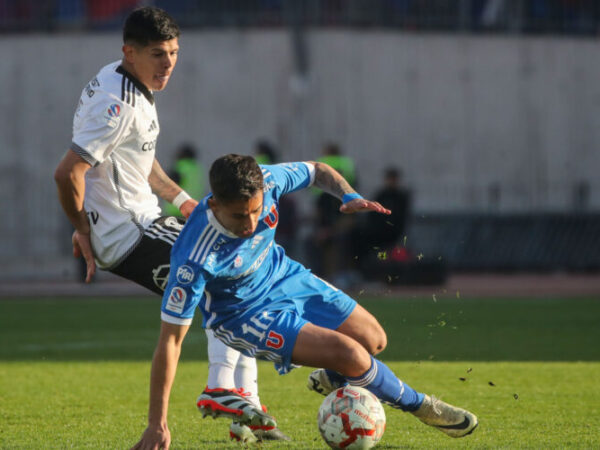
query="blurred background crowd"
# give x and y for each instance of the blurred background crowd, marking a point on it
(475, 121)
(528, 16)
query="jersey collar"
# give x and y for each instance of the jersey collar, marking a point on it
(220, 228)
(138, 84)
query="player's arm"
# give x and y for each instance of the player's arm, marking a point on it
(164, 366)
(168, 190)
(329, 180)
(70, 182)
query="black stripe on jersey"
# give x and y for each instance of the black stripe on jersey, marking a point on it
(128, 92)
(123, 88)
(137, 83)
(84, 154)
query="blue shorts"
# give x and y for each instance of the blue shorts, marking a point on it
(269, 329)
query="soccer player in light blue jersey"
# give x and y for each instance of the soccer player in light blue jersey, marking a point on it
(255, 299)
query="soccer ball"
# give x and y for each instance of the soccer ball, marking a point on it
(351, 418)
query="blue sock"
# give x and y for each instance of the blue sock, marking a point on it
(386, 386)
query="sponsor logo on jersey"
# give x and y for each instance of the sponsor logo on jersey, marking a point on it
(268, 185)
(152, 127)
(211, 259)
(255, 241)
(149, 146)
(255, 265)
(238, 261)
(176, 300)
(185, 274)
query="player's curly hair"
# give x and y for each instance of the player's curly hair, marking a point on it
(235, 177)
(149, 24)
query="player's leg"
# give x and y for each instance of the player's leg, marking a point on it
(320, 347)
(231, 374)
(245, 376)
(222, 361)
(362, 326)
(221, 396)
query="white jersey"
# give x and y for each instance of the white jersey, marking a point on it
(115, 130)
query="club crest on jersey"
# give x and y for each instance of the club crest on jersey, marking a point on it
(185, 275)
(238, 261)
(272, 218)
(176, 300)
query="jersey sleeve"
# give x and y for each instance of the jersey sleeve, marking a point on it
(99, 127)
(289, 177)
(184, 292)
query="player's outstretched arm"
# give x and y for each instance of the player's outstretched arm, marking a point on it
(70, 182)
(164, 366)
(163, 186)
(329, 180)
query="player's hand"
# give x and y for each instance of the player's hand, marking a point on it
(83, 247)
(154, 439)
(187, 207)
(363, 205)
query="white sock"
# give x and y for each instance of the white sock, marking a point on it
(221, 363)
(245, 376)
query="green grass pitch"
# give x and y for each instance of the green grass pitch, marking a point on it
(74, 373)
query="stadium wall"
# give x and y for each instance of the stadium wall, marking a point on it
(477, 123)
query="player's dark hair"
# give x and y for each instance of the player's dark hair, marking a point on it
(235, 177)
(149, 24)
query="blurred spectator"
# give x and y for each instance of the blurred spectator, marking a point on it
(333, 156)
(331, 246)
(379, 241)
(188, 173)
(101, 10)
(387, 231)
(264, 152)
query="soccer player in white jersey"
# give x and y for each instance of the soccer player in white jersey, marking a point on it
(108, 179)
(226, 263)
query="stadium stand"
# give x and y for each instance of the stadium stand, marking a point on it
(570, 17)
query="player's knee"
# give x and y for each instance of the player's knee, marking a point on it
(382, 342)
(352, 359)
(377, 342)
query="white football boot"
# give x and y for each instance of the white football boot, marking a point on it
(318, 381)
(455, 422)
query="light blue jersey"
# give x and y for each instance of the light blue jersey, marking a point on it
(250, 293)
